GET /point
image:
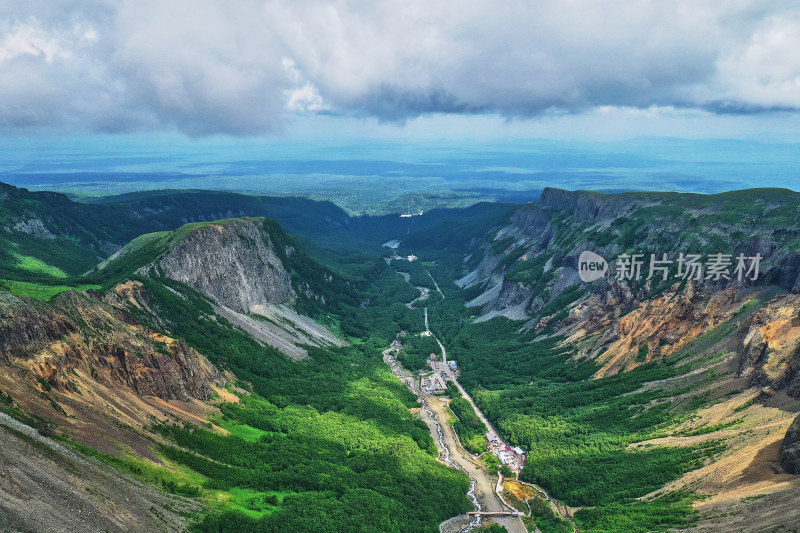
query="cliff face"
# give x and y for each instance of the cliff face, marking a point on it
(533, 262)
(630, 333)
(27, 326)
(590, 206)
(81, 335)
(769, 345)
(235, 262)
(790, 451)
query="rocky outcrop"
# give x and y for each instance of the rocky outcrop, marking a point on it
(564, 224)
(590, 205)
(790, 451)
(238, 263)
(80, 333)
(769, 345)
(511, 294)
(786, 272)
(34, 227)
(179, 374)
(27, 326)
(663, 324)
(533, 221)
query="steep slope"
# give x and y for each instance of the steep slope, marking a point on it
(770, 345)
(248, 267)
(258, 440)
(529, 269)
(47, 487)
(630, 393)
(88, 366)
(236, 262)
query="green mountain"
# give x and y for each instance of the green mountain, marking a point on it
(47, 239)
(290, 428)
(231, 351)
(645, 404)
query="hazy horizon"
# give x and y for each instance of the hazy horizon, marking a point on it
(388, 176)
(101, 97)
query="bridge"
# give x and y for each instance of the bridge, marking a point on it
(495, 513)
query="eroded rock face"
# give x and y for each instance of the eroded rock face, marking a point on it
(27, 326)
(234, 262)
(790, 452)
(585, 205)
(83, 333)
(179, 374)
(665, 324)
(34, 227)
(770, 345)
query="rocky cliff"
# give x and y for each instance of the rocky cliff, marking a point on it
(591, 206)
(627, 333)
(81, 334)
(240, 263)
(27, 326)
(769, 345)
(529, 270)
(790, 450)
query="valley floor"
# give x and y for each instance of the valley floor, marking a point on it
(453, 454)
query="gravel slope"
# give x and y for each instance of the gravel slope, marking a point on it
(49, 488)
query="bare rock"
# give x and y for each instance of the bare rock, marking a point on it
(790, 452)
(235, 262)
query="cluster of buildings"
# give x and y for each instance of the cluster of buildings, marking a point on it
(434, 384)
(514, 457)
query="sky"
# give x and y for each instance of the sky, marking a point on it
(295, 74)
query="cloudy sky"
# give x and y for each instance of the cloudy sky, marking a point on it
(202, 68)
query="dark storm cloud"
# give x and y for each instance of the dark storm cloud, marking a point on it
(208, 66)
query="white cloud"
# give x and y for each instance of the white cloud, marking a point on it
(765, 70)
(304, 97)
(209, 66)
(29, 39)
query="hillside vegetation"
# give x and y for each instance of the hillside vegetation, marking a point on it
(642, 405)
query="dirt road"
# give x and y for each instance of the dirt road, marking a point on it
(485, 482)
(436, 416)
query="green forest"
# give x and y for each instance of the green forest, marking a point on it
(348, 415)
(578, 430)
(337, 440)
(330, 443)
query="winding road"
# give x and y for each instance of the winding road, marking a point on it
(483, 492)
